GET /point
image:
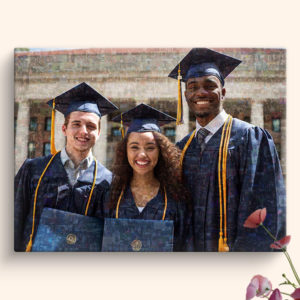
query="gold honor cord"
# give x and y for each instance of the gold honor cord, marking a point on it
(121, 195)
(29, 245)
(92, 189)
(52, 144)
(186, 147)
(222, 165)
(179, 104)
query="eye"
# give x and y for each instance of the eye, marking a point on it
(151, 148)
(134, 147)
(91, 127)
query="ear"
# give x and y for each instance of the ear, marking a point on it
(64, 128)
(223, 93)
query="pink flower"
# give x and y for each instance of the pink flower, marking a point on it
(276, 295)
(296, 294)
(258, 286)
(281, 243)
(256, 218)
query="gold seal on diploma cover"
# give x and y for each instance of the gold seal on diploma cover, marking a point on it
(71, 239)
(136, 245)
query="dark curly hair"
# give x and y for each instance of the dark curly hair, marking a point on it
(167, 171)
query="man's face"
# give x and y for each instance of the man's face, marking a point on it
(204, 96)
(82, 131)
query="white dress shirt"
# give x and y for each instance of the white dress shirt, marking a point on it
(75, 173)
(214, 125)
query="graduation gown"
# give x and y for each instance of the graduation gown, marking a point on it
(55, 191)
(176, 211)
(254, 180)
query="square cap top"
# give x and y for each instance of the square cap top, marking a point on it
(143, 118)
(202, 62)
(83, 98)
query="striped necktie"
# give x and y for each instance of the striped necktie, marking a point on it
(201, 135)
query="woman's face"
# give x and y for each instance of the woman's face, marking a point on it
(142, 152)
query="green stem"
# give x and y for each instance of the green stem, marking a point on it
(289, 282)
(291, 264)
(284, 251)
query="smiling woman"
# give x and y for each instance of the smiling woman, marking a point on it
(146, 181)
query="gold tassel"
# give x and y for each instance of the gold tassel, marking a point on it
(52, 143)
(179, 104)
(122, 127)
(29, 245)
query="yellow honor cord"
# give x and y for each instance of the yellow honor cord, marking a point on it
(179, 104)
(52, 143)
(29, 245)
(186, 147)
(121, 195)
(92, 189)
(223, 247)
(220, 190)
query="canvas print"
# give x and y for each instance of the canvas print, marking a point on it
(149, 149)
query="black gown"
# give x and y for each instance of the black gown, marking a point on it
(176, 211)
(55, 191)
(254, 180)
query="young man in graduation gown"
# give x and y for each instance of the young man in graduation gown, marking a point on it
(231, 167)
(74, 180)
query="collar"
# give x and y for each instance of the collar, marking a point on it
(215, 124)
(84, 164)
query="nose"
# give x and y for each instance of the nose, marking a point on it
(142, 154)
(83, 129)
(201, 92)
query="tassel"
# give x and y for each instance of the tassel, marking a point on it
(29, 245)
(179, 104)
(122, 127)
(52, 143)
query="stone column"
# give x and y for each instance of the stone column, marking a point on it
(22, 134)
(59, 137)
(257, 113)
(100, 147)
(183, 130)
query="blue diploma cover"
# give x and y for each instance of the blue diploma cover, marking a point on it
(127, 235)
(60, 230)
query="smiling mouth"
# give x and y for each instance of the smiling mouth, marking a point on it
(142, 163)
(82, 140)
(199, 102)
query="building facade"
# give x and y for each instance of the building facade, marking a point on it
(255, 92)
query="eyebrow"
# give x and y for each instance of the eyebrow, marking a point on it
(137, 143)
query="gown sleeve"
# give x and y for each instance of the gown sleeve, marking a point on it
(262, 185)
(21, 204)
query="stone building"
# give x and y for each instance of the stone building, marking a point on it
(256, 92)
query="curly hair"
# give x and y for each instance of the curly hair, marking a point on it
(167, 170)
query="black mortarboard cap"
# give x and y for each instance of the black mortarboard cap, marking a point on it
(143, 118)
(202, 62)
(83, 98)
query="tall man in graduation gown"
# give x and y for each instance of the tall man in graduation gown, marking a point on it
(68, 180)
(253, 174)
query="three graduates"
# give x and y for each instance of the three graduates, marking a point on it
(230, 168)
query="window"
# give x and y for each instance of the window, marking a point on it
(46, 149)
(170, 131)
(31, 150)
(48, 124)
(276, 125)
(115, 131)
(33, 124)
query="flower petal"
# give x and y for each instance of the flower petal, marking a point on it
(276, 295)
(296, 294)
(281, 243)
(257, 217)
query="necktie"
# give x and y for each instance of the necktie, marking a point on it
(201, 135)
